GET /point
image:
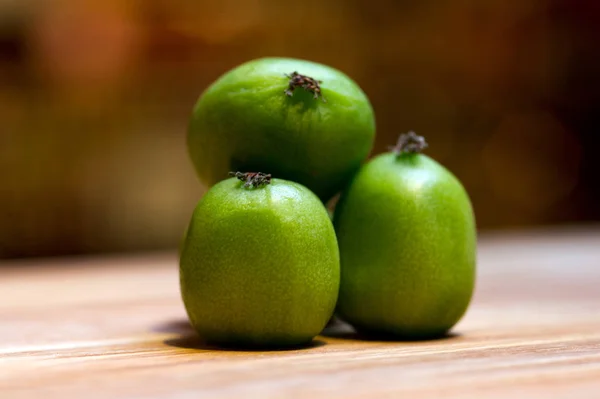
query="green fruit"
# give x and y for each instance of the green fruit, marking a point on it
(260, 264)
(407, 238)
(317, 136)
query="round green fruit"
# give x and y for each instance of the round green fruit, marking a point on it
(302, 121)
(260, 264)
(407, 238)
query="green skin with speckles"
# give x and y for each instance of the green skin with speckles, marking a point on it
(260, 266)
(244, 121)
(407, 238)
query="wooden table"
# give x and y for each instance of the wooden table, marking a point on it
(115, 327)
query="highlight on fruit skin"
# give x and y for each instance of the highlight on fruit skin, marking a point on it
(266, 115)
(407, 237)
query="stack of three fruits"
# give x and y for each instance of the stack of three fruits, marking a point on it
(263, 265)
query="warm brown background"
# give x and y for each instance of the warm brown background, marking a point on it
(95, 97)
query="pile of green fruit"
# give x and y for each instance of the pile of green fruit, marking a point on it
(262, 264)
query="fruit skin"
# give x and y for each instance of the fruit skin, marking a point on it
(260, 267)
(407, 238)
(244, 121)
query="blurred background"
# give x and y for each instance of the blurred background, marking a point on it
(95, 97)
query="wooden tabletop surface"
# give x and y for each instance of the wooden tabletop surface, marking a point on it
(114, 327)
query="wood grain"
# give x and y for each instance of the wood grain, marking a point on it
(115, 327)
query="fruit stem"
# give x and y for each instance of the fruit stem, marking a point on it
(252, 179)
(306, 82)
(409, 143)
